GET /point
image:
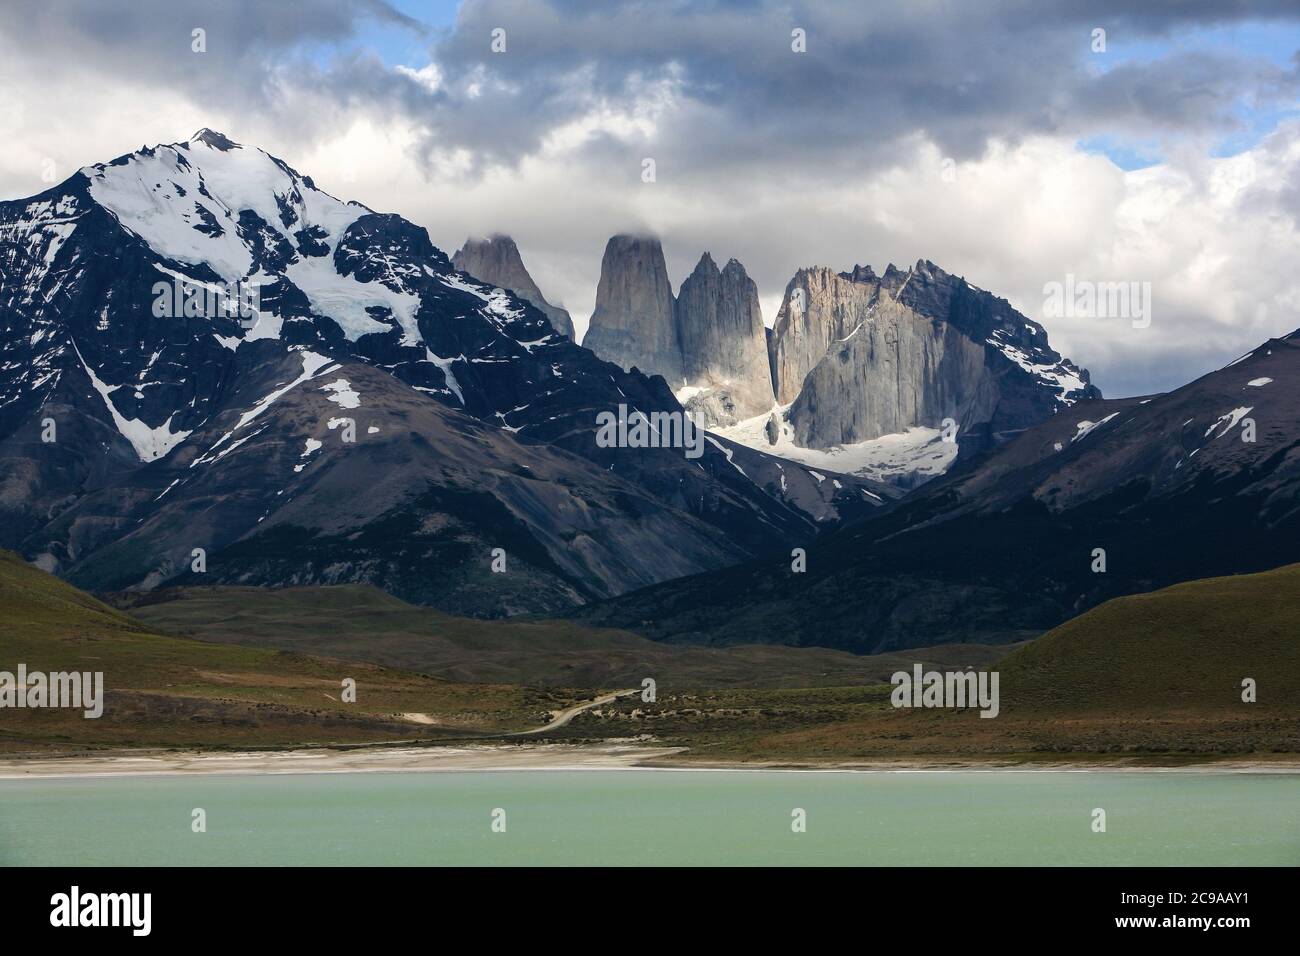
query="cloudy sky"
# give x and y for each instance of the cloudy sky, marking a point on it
(998, 139)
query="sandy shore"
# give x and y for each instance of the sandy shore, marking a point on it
(359, 760)
(481, 757)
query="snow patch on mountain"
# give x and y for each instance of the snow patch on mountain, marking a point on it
(497, 307)
(1085, 428)
(1228, 421)
(150, 442)
(347, 301)
(1064, 378)
(919, 451)
(342, 393)
(444, 364)
(184, 200)
(731, 457)
(313, 446)
(312, 365)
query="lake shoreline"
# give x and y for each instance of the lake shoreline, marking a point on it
(553, 756)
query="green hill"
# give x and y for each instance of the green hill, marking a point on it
(1152, 678)
(1184, 649)
(169, 691)
(1156, 677)
(361, 622)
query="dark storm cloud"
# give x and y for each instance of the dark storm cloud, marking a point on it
(252, 45)
(144, 28)
(1195, 91)
(957, 73)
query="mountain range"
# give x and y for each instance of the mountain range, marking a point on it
(131, 436)
(859, 373)
(1104, 498)
(377, 413)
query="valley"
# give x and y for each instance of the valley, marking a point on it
(1152, 680)
(402, 469)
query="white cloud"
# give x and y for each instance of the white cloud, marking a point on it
(428, 76)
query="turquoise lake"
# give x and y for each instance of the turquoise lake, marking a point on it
(640, 817)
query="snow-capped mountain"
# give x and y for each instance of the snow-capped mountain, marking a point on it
(135, 416)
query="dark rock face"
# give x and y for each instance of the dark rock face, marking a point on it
(175, 428)
(859, 356)
(496, 261)
(633, 324)
(421, 487)
(772, 430)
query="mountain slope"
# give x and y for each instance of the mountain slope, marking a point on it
(1153, 678)
(117, 374)
(1003, 547)
(421, 488)
(161, 690)
(363, 623)
(1179, 650)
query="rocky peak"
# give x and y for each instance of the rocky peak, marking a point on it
(863, 274)
(708, 342)
(496, 260)
(705, 272)
(723, 342)
(860, 356)
(734, 270)
(820, 307)
(218, 141)
(893, 278)
(633, 323)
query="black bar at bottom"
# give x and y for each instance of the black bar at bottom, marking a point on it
(333, 906)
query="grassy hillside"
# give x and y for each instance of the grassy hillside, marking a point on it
(364, 623)
(1155, 677)
(165, 691)
(1180, 650)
